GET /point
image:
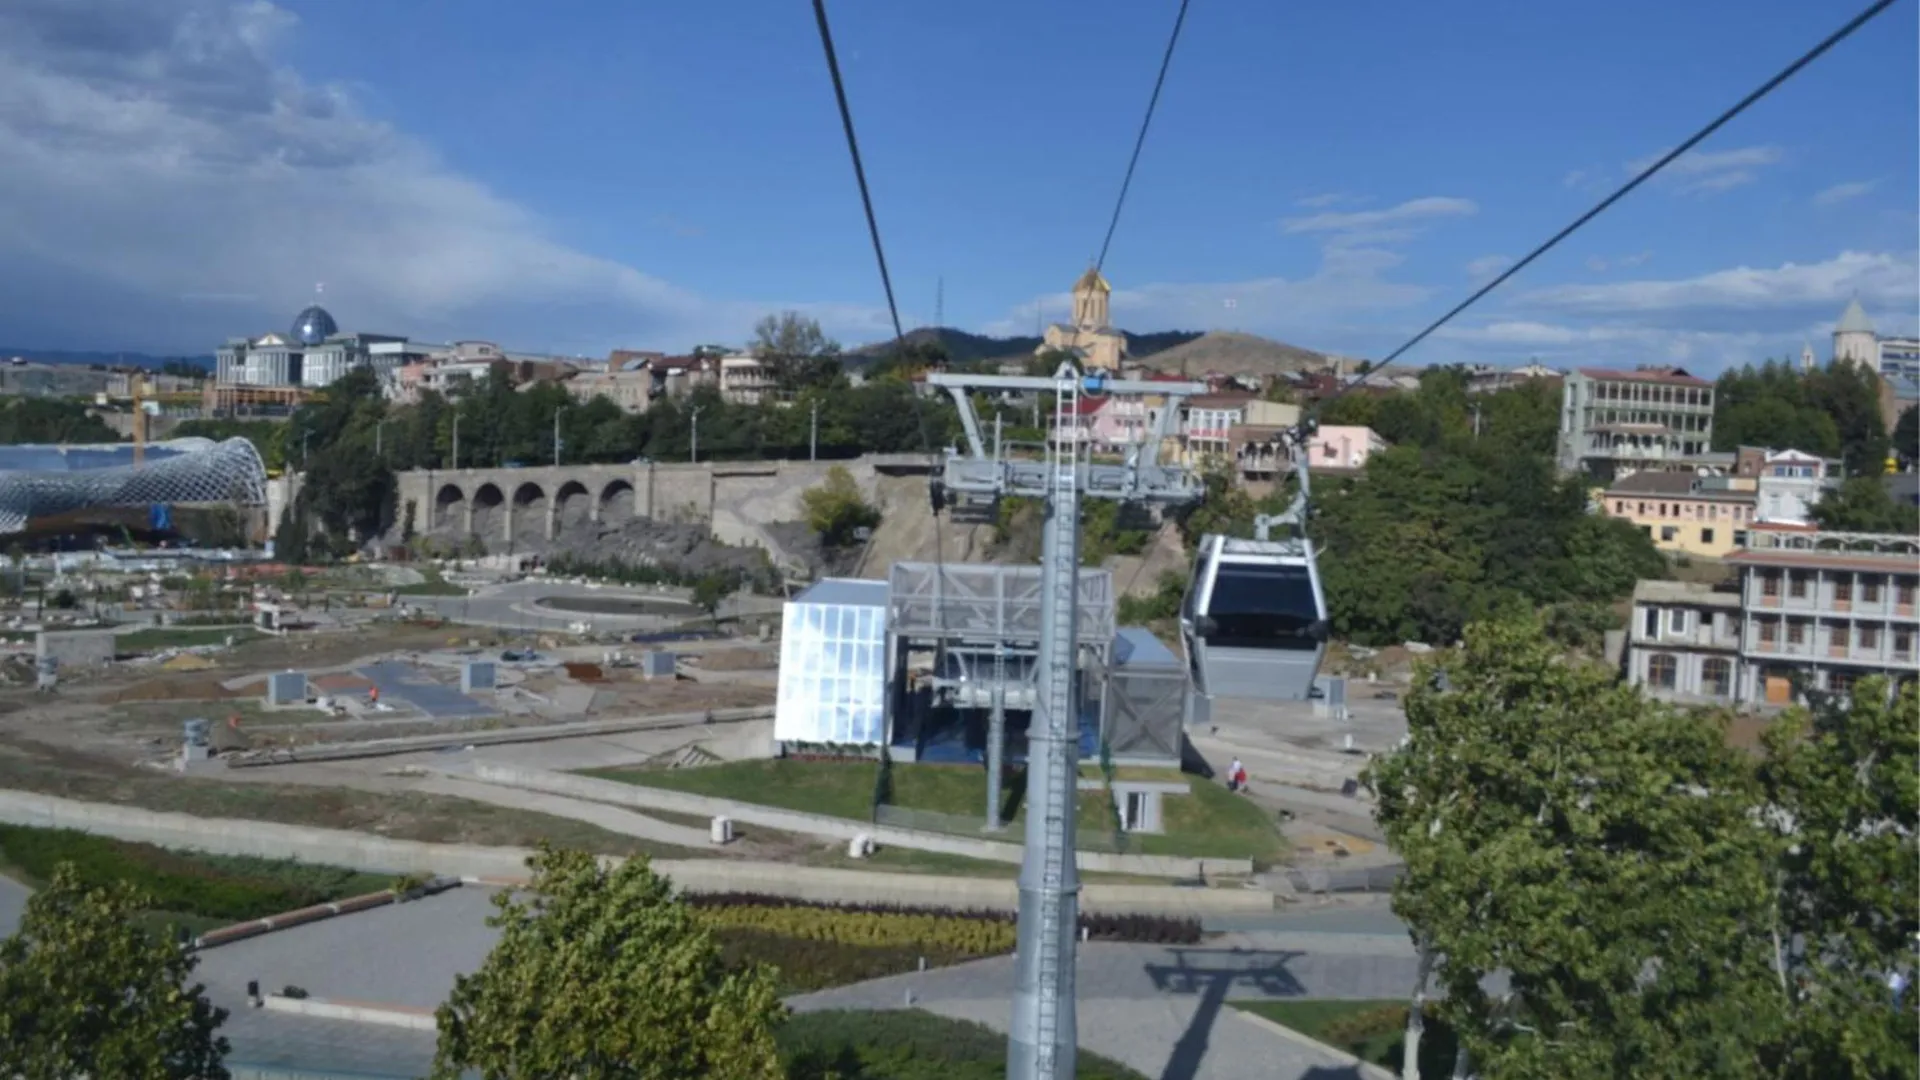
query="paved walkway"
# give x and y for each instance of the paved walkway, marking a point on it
(611, 818)
(13, 903)
(1162, 1010)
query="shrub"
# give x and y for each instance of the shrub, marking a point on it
(906, 1044)
(189, 883)
(1150, 929)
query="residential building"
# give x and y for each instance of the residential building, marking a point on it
(1090, 336)
(1821, 610)
(1685, 513)
(1787, 483)
(744, 380)
(1487, 379)
(1076, 426)
(631, 390)
(1343, 448)
(1617, 422)
(1206, 426)
(1683, 642)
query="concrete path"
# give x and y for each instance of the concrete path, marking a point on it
(13, 904)
(1162, 1010)
(611, 818)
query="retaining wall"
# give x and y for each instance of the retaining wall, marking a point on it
(378, 854)
(833, 828)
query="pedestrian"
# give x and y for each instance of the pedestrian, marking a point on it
(1234, 773)
(1241, 778)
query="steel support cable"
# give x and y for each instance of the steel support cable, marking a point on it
(1140, 141)
(879, 251)
(1642, 177)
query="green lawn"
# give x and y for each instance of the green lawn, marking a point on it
(435, 585)
(907, 1044)
(1211, 822)
(181, 637)
(1372, 1031)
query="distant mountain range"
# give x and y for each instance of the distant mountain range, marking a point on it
(1171, 350)
(104, 359)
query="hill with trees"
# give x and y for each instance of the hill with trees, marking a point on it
(961, 347)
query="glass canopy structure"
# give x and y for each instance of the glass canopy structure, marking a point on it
(39, 482)
(833, 665)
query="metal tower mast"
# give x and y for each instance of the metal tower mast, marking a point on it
(1044, 1039)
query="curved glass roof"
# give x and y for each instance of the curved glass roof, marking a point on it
(66, 479)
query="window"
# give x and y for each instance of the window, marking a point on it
(1870, 590)
(1797, 584)
(1796, 631)
(1903, 593)
(1716, 677)
(1651, 622)
(1902, 643)
(1769, 632)
(1668, 532)
(1870, 637)
(1841, 682)
(1262, 607)
(1706, 536)
(1662, 671)
(1677, 620)
(1843, 590)
(1134, 811)
(1769, 583)
(1841, 635)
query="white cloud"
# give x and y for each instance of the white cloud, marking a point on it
(1301, 310)
(1410, 213)
(1713, 171)
(1884, 279)
(158, 149)
(1844, 192)
(1600, 264)
(1574, 178)
(1321, 202)
(1487, 265)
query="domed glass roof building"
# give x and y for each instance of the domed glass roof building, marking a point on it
(314, 325)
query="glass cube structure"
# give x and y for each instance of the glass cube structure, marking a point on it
(833, 665)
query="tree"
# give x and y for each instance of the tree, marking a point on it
(711, 591)
(86, 990)
(795, 350)
(1595, 847)
(603, 974)
(836, 508)
(1906, 436)
(1863, 504)
(1843, 783)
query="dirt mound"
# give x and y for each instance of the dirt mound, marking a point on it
(580, 671)
(184, 687)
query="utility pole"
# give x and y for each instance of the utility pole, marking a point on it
(813, 432)
(456, 442)
(556, 436)
(693, 453)
(1043, 1036)
(379, 439)
(939, 302)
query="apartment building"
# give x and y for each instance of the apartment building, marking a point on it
(1825, 609)
(1683, 642)
(1686, 513)
(1613, 423)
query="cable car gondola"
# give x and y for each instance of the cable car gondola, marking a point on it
(1254, 619)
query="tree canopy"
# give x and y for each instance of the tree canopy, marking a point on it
(86, 990)
(1657, 903)
(1863, 504)
(836, 509)
(51, 420)
(1832, 411)
(603, 975)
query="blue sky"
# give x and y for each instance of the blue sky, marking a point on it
(585, 174)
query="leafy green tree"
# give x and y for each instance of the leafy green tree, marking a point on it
(712, 590)
(604, 975)
(1833, 412)
(1843, 783)
(836, 508)
(795, 350)
(1863, 504)
(1906, 436)
(1594, 847)
(51, 420)
(85, 990)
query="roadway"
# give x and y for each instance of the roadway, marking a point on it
(514, 605)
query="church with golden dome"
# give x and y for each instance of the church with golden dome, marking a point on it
(1091, 337)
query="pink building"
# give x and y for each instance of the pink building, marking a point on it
(1343, 448)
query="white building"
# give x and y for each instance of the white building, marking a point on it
(1788, 484)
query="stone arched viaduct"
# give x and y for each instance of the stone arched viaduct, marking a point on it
(533, 505)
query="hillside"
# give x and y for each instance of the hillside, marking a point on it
(965, 348)
(1233, 353)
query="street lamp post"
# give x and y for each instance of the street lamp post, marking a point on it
(456, 442)
(813, 432)
(556, 435)
(693, 453)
